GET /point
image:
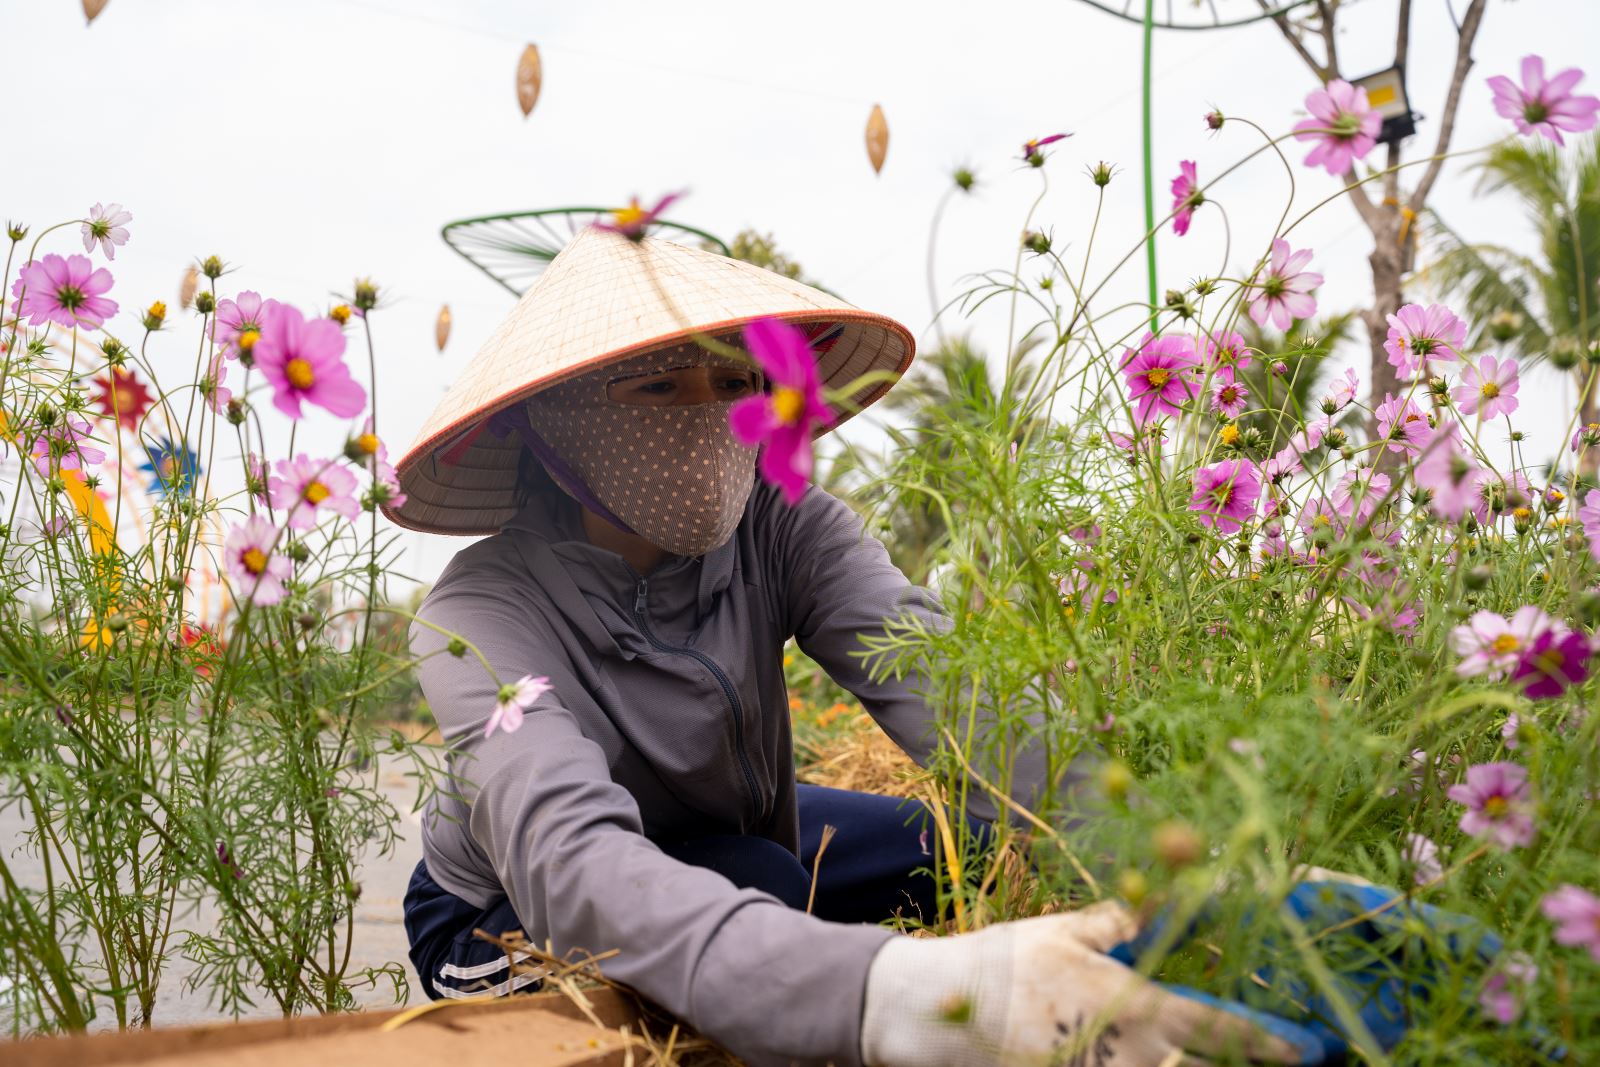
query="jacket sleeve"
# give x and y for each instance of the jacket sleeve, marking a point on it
(775, 985)
(842, 587)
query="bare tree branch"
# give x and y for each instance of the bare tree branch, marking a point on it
(1291, 35)
(1447, 123)
(1326, 27)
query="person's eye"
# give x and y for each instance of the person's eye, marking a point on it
(737, 384)
(660, 387)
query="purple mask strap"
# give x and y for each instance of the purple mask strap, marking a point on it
(516, 418)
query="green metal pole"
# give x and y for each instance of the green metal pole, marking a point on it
(1149, 162)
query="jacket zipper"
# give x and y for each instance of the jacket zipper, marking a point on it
(642, 592)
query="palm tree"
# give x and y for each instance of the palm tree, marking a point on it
(1544, 306)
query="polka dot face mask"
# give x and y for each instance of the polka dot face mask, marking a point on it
(673, 473)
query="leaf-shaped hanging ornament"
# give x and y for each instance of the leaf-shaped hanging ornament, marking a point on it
(530, 76)
(189, 286)
(92, 8)
(877, 138)
(441, 327)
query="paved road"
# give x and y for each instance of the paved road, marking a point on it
(379, 936)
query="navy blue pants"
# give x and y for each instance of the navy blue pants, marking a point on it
(868, 874)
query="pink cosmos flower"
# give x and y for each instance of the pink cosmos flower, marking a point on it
(1423, 856)
(1403, 425)
(1578, 913)
(1273, 543)
(1226, 356)
(1555, 662)
(633, 221)
(785, 420)
(1342, 393)
(383, 472)
(1503, 991)
(513, 700)
(304, 486)
(1541, 106)
(217, 394)
(1491, 387)
(254, 561)
(1285, 289)
(68, 292)
(1343, 125)
(1497, 802)
(1228, 398)
(1511, 732)
(304, 362)
(1186, 196)
(1225, 494)
(1492, 646)
(1589, 518)
(1418, 334)
(105, 224)
(1081, 585)
(64, 446)
(1030, 149)
(1141, 440)
(1357, 494)
(1587, 435)
(246, 313)
(1285, 463)
(1495, 494)
(1447, 472)
(1160, 375)
(1320, 517)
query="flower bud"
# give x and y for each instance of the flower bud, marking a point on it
(1593, 354)
(155, 315)
(1504, 324)
(116, 622)
(457, 647)
(1347, 453)
(1036, 242)
(1335, 438)
(1281, 369)
(1178, 845)
(297, 551)
(1522, 519)
(1214, 120)
(1253, 438)
(1516, 436)
(1564, 353)
(115, 352)
(1116, 779)
(307, 620)
(1133, 886)
(1329, 406)
(366, 297)
(212, 267)
(1177, 301)
(204, 302)
(964, 179)
(1438, 388)
(1553, 499)
(16, 230)
(1205, 286)
(340, 313)
(237, 411)
(1101, 173)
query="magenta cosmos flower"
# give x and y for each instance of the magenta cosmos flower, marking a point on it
(1403, 425)
(1447, 472)
(1228, 398)
(106, 224)
(1495, 494)
(1343, 125)
(1342, 393)
(1498, 808)
(1225, 494)
(634, 220)
(68, 292)
(1504, 990)
(244, 315)
(304, 362)
(513, 700)
(1544, 106)
(1186, 196)
(1030, 149)
(1589, 519)
(1286, 288)
(1226, 355)
(63, 446)
(785, 420)
(1418, 334)
(1492, 646)
(306, 487)
(1586, 436)
(1577, 911)
(1488, 389)
(1557, 660)
(254, 561)
(1160, 375)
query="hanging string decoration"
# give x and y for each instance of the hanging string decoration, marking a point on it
(877, 138)
(441, 327)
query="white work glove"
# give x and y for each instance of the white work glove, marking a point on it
(1038, 992)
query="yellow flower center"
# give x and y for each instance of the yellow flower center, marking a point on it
(1230, 434)
(631, 215)
(1506, 643)
(1521, 514)
(368, 443)
(1495, 807)
(1490, 390)
(1322, 520)
(254, 560)
(1158, 377)
(247, 340)
(298, 371)
(316, 492)
(340, 313)
(788, 404)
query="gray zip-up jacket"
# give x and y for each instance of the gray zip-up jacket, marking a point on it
(668, 716)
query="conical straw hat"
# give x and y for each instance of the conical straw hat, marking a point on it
(606, 298)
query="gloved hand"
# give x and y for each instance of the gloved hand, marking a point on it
(1042, 991)
(1385, 953)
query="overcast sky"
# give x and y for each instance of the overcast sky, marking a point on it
(310, 141)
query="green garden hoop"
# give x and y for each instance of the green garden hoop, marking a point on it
(514, 248)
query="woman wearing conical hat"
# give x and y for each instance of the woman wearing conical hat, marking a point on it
(624, 778)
